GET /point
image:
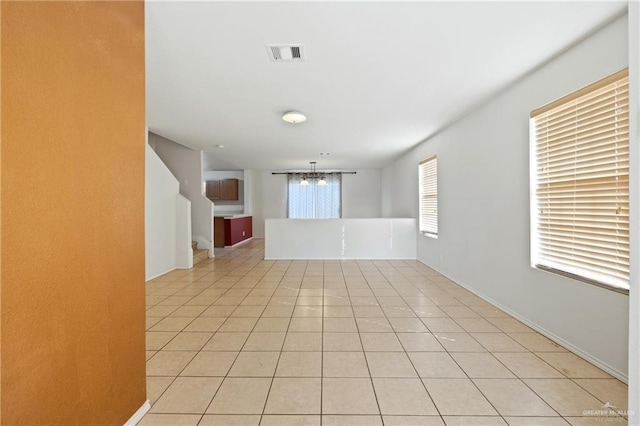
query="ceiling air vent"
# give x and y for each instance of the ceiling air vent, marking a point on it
(285, 52)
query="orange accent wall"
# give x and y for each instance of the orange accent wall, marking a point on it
(0, 211)
(72, 202)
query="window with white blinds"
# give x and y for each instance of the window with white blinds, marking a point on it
(580, 184)
(428, 182)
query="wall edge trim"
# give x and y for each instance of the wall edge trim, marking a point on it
(139, 414)
(557, 339)
(239, 243)
(147, 279)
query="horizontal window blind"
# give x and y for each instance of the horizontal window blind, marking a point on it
(428, 181)
(581, 184)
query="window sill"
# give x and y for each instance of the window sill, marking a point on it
(596, 283)
(430, 235)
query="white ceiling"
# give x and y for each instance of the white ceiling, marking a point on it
(379, 77)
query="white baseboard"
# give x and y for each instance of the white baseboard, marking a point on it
(240, 242)
(559, 340)
(160, 274)
(138, 415)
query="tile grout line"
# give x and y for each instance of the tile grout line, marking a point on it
(407, 355)
(175, 377)
(322, 350)
(235, 359)
(480, 390)
(364, 354)
(477, 387)
(467, 376)
(395, 276)
(275, 371)
(237, 355)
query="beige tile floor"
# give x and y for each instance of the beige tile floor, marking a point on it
(242, 341)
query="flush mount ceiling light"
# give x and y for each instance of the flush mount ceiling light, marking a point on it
(294, 117)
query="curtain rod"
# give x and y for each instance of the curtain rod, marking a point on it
(309, 173)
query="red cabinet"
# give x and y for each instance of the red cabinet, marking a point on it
(228, 231)
(237, 229)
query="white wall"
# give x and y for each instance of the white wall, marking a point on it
(387, 180)
(269, 199)
(186, 166)
(223, 174)
(184, 252)
(161, 189)
(483, 185)
(367, 238)
(248, 191)
(361, 196)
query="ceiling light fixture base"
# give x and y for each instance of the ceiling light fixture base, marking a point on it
(294, 117)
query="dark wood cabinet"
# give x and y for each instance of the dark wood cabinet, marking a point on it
(218, 232)
(213, 189)
(222, 189)
(228, 189)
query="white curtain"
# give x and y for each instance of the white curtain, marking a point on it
(314, 201)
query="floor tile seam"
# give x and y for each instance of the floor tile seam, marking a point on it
(264, 407)
(179, 331)
(178, 376)
(485, 346)
(163, 392)
(232, 364)
(322, 351)
(449, 352)
(406, 355)
(495, 358)
(544, 362)
(422, 381)
(587, 390)
(528, 387)
(180, 413)
(366, 360)
(475, 331)
(476, 386)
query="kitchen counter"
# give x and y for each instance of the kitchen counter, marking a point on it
(231, 229)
